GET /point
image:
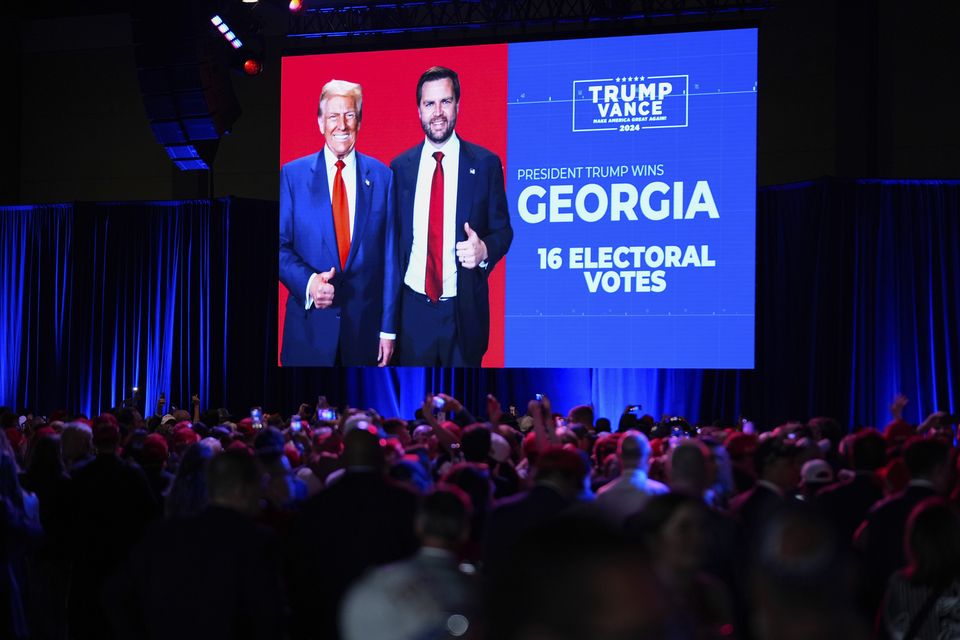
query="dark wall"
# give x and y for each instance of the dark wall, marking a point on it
(847, 88)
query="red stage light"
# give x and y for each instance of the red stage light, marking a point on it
(296, 5)
(252, 67)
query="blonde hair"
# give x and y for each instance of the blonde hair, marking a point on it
(344, 89)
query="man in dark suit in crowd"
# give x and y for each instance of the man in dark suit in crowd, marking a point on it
(454, 228)
(213, 575)
(846, 503)
(777, 475)
(881, 535)
(338, 254)
(558, 481)
(111, 506)
(360, 521)
(416, 598)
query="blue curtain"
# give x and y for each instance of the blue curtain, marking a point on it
(100, 298)
(858, 297)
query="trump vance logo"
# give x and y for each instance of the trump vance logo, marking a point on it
(631, 103)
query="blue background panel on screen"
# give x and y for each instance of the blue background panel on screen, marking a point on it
(632, 182)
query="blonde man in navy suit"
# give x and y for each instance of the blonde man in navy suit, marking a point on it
(454, 228)
(338, 251)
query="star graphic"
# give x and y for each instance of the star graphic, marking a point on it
(618, 79)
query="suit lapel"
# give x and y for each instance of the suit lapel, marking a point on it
(411, 170)
(362, 212)
(465, 185)
(323, 212)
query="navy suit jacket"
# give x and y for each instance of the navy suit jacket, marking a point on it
(481, 201)
(365, 291)
(881, 537)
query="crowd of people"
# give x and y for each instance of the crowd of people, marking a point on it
(533, 526)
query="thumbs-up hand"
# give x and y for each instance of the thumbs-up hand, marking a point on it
(471, 251)
(321, 291)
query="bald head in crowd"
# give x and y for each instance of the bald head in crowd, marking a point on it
(634, 451)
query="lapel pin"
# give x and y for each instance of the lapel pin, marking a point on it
(473, 172)
(366, 182)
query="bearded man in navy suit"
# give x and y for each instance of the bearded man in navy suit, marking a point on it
(454, 228)
(338, 251)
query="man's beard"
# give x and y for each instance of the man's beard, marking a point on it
(435, 138)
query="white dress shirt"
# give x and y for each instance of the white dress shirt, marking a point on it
(349, 178)
(417, 268)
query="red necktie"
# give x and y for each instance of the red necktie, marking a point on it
(341, 215)
(433, 284)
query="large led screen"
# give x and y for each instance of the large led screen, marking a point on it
(613, 181)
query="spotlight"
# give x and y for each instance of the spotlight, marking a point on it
(252, 67)
(296, 5)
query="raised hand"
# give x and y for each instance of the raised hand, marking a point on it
(494, 410)
(450, 403)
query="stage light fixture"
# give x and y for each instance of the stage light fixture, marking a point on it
(252, 67)
(223, 28)
(296, 5)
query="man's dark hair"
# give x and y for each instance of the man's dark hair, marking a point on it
(869, 450)
(770, 450)
(438, 73)
(922, 456)
(125, 416)
(827, 427)
(931, 542)
(393, 426)
(688, 462)
(211, 417)
(510, 420)
(475, 443)
(444, 514)
(268, 441)
(628, 422)
(362, 449)
(582, 414)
